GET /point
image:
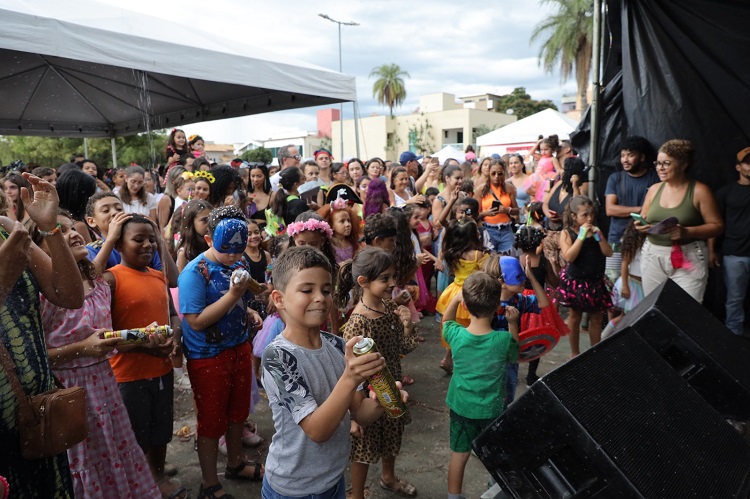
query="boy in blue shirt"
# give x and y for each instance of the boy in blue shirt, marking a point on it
(480, 356)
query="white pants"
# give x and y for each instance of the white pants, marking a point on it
(656, 267)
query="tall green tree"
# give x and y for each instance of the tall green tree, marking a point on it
(522, 104)
(389, 88)
(259, 155)
(567, 41)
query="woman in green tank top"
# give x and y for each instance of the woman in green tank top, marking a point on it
(680, 252)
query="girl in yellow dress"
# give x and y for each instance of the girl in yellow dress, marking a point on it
(463, 253)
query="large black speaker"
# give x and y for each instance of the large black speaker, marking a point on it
(616, 422)
(698, 346)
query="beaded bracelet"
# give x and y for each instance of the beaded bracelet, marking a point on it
(4, 482)
(47, 233)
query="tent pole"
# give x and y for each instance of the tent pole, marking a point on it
(596, 48)
(356, 125)
(86, 147)
(114, 153)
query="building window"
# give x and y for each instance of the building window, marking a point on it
(460, 137)
(445, 134)
(412, 141)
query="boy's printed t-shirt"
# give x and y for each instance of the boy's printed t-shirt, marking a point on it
(297, 381)
(114, 257)
(477, 387)
(525, 304)
(202, 283)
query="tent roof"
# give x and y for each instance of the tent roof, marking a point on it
(98, 70)
(547, 122)
(449, 152)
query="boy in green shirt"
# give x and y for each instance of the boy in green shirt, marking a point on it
(477, 389)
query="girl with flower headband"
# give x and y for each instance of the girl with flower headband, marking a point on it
(177, 147)
(309, 229)
(196, 144)
(285, 203)
(346, 228)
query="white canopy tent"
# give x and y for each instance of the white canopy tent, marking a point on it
(520, 136)
(100, 71)
(449, 152)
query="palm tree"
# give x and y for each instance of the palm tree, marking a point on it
(568, 38)
(389, 87)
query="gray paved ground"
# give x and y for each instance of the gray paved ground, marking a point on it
(425, 451)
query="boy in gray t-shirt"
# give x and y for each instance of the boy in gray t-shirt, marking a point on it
(311, 379)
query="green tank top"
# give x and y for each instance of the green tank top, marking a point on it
(687, 214)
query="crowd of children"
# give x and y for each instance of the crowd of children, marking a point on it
(264, 287)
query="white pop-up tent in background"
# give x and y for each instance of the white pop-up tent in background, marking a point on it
(520, 136)
(103, 71)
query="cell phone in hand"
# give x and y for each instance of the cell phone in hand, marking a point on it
(497, 205)
(638, 218)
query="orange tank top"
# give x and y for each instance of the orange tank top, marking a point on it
(487, 201)
(139, 299)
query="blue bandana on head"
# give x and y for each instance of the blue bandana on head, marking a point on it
(230, 236)
(513, 273)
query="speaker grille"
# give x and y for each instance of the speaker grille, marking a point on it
(671, 445)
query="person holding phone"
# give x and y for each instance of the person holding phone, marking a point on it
(497, 201)
(625, 193)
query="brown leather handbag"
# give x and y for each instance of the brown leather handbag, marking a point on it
(51, 422)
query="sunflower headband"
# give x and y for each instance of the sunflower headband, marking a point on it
(187, 176)
(204, 174)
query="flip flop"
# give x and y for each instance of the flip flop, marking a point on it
(399, 487)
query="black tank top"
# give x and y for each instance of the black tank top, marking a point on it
(540, 273)
(589, 264)
(257, 269)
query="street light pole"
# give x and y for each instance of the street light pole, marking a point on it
(341, 70)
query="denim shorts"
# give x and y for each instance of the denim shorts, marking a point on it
(338, 491)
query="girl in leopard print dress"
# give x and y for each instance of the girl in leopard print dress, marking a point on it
(371, 276)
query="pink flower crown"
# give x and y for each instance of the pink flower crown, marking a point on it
(295, 228)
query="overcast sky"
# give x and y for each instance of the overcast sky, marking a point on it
(444, 46)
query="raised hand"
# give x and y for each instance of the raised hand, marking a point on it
(43, 206)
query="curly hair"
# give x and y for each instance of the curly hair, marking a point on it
(528, 238)
(222, 213)
(679, 149)
(632, 240)
(224, 178)
(376, 225)
(406, 260)
(572, 166)
(460, 236)
(327, 213)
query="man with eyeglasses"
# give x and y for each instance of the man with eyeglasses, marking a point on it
(625, 193)
(288, 156)
(734, 206)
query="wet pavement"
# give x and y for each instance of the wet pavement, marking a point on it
(425, 451)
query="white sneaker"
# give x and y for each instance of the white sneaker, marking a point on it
(223, 445)
(250, 438)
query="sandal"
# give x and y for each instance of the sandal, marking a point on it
(236, 472)
(210, 492)
(399, 487)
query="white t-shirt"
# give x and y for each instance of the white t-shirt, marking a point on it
(136, 207)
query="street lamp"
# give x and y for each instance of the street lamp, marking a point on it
(341, 70)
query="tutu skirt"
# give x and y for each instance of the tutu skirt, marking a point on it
(636, 295)
(585, 295)
(272, 327)
(447, 296)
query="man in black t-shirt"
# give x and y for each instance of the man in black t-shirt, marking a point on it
(734, 203)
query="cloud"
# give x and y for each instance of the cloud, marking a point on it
(445, 46)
